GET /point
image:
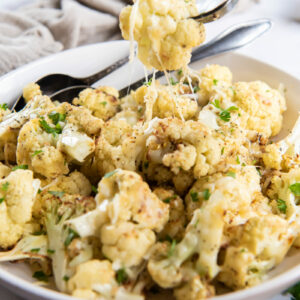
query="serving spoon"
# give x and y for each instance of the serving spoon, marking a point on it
(232, 38)
(52, 83)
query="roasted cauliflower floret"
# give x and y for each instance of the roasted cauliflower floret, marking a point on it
(91, 273)
(164, 32)
(261, 107)
(37, 149)
(132, 199)
(4, 170)
(176, 224)
(126, 243)
(118, 146)
(195, 289)
(30, 91)
(263, 244)
(17, 191)
(103, 101)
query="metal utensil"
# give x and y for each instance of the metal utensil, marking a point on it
(52, 83)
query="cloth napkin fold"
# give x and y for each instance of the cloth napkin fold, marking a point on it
(49, 26)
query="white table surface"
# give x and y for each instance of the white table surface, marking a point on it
(280, 46)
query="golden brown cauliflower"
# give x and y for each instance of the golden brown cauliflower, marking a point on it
(164, 31)
(126, 243)
(37, 149)
(261, 107)
(103, 101)
(17, 193)
(30, 91)
(118, 146)
(176, 224)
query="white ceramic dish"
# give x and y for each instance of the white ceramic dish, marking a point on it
(86, 60)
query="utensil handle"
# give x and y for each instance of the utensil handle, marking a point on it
(232, 38)
(97, 76)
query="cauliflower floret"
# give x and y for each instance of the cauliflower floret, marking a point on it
(37, 149)
(84, 294)
(167, 133)
(195, 289)
(4, 170)
(103, 101)
(30, 91)
(161, 101)
(119, 146)
(263, 244)
(261, 107)
(91, 273)
(284, 154)
(176, 224)
(126, 243)
(132, 199)
(17, 191)
(164, 33)
(11, 124)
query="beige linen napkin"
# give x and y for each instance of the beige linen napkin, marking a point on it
(49, 26)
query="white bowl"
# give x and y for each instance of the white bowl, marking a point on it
(89, 59)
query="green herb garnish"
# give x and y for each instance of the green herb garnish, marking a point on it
(37, 152)
(40, 275)
(238, 160)
(47, 128)
(169, 199)
(50, 251)
(215, 81)
(72, 234)
(148, 83)
(4, 106)
(295, 188)
(196, 89)
(231, 174)
(222, 151)
(103, 103)
(35, 250)
(94, 189)
(66, 278)
(281, 205)
(194, 196)
(2, 199)
(121, 276)
(4, 186)
(206, 194)
(294, 291)
(172, 80)
(57, 117)
(22, 167)
(172, 248)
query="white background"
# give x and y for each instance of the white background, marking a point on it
(280, 46)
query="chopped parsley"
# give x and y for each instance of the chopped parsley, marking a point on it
(294, 291)
(39, 232)
(39, 191)
(148, 83)
(121, 276)
(40, 275)
(2, 199)
(109, 174)
(103, 103)
(231, 174)
(57, 117)
(50, 251)
(4, 186)
(238, 160)
(206, 194)
(22, 167)
(258, 171)
(222, 151)
(194, 196)
(58, 194)
(94, 189)
(215, 81)
(4, 106)
(172, 80)
(47, 128)
(225, 113)
(295, 188)
(179, 72)
(281, 205)
(168, 200)
(72, 234)
(35, 250)
(37, 152)
(66, 278)
(172, 248)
